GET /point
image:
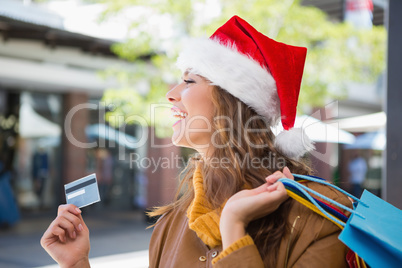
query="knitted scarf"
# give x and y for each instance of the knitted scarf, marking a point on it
(202, 218)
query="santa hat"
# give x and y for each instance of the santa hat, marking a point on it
(264, 74)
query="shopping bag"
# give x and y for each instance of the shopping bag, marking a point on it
(374, 229)
(377, 238)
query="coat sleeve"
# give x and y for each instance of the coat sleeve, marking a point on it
(325, 251)
(242, 254)
(314, 242)
(318, 244)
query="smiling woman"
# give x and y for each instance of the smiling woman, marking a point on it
(194, 108)
(230, 210)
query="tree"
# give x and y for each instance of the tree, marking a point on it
(337, 52)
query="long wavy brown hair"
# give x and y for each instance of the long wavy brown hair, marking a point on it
(240, 147)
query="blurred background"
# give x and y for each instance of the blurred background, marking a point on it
(82, 90)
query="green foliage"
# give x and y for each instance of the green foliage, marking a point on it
(337, 52)
(128, 105)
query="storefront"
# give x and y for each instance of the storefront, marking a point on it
(45, 72)
(32, 148)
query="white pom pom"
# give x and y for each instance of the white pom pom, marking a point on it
(293, 143)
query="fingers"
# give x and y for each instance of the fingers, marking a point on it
(273, 184)
(73, 215)
(82, 226)
(61, 227)
(287, 173)
(68, 226)
(70, 208)
(277, 187)
(67, 223)
(260, 189)
(271, 198)
(271, 179)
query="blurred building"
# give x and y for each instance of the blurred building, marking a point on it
(362, 110)
(52, 126)
(370, 12)
(50, 93)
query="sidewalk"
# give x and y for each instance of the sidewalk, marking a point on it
(138, 259)
(118, 239)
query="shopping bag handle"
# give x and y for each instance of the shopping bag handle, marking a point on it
(303, 189)
(322, 181)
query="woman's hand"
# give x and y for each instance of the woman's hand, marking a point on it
(67, 238)
(248, 205)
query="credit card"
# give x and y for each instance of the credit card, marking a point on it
(82, 192)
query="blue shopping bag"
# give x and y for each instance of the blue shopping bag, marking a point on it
(377, 236)
(374, 229)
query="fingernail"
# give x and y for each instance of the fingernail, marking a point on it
(74, 234)
(80, 227)
(78, 210)
(286, 168)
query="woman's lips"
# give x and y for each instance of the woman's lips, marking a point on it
(176, 112)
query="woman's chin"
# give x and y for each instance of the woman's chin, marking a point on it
(177, 140)
(180, 142)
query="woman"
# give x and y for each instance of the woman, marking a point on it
(230, 211)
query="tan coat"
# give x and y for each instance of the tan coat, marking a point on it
(313, 242)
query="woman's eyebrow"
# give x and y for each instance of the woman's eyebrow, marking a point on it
(185, 74)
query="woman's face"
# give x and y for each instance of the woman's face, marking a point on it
(193, 108)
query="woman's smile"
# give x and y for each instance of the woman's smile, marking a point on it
(177, 113)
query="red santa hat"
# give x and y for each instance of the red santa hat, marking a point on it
(264, 74)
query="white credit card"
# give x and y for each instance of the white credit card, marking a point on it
(82, 192)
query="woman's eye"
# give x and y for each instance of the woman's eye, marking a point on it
(188, 81)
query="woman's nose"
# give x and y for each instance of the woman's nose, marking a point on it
(173, 95)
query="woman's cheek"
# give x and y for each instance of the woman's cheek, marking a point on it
(199, 132)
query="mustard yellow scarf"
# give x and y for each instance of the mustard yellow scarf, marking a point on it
(202, 218)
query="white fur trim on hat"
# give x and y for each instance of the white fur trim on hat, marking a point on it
(235, 72)
(293, 143)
